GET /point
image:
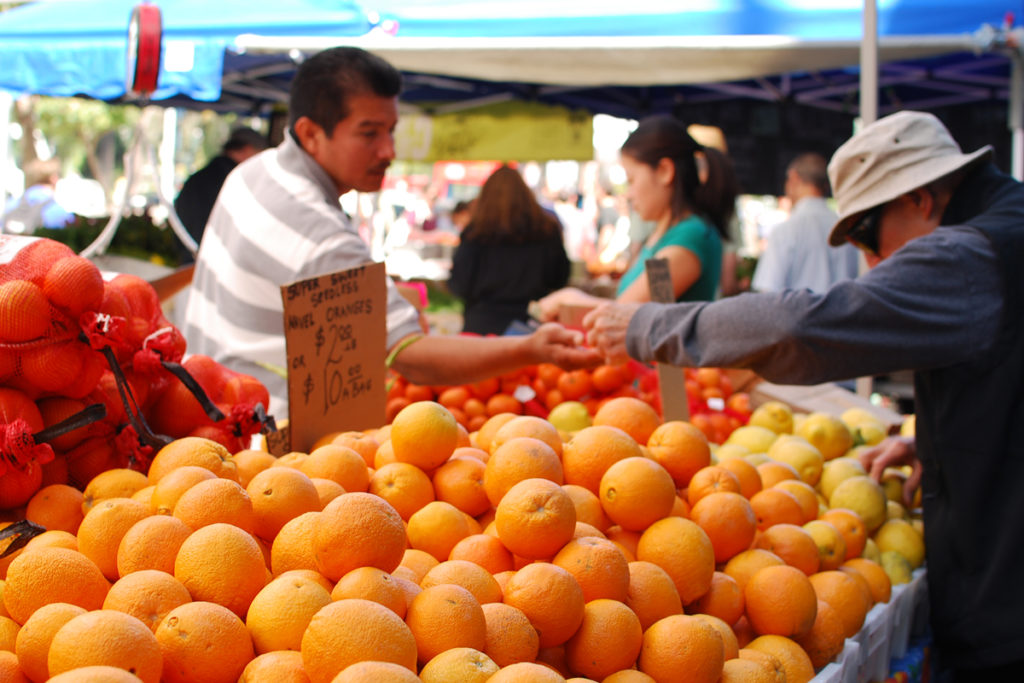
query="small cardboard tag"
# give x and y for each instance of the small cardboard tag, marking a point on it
(279, 441)
(335, 334)
(671, 380)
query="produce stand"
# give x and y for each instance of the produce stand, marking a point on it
(885, 637)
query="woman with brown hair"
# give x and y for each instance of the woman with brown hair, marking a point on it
(511, 253)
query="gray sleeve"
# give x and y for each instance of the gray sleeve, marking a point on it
(934, 303)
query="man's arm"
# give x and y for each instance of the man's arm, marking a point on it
(460, 360)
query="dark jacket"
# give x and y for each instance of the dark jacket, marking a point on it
(198, 195)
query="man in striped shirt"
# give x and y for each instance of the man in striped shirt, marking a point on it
(277, 220)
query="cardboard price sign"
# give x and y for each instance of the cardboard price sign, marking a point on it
(671, 380)
(335, 333)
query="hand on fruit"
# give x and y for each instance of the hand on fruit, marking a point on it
(606, 329)
(556, 344)
(893, 452)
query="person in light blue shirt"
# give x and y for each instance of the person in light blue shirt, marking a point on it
(797, 254)
(689, 192)
(37, 207)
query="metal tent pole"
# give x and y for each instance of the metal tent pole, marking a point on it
(868, 111)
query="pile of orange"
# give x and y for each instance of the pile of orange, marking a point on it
(506, 554)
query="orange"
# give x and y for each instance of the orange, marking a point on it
(460, 481)
(249, 462)
(592, 450)
(554, 659)
(805, 495)
(406, 487)
(281, 611)
(626, 540)
(723, 600)
(33, 642)
(636, 492)
(326, 490)
(203, 641)
(774, 506)
(193, 450)
(364, 444)
(825, 639)
(445, 616)
(96, 674)
(792, 544)
(607, 641)
(849, 524)
(774, 471)
(281, 667)
(780, 601)
(794, 661)
(419, 562)
(684, 551)
(652, 595)
(375, 672)
(535, 518)
(519, 458)
(278, 495)
(831, 544)
(424, 434)
(103, 527)
(608, 378)
(116, 483)
(293, 459)
(747, 563)
(738, 670)
(598, 566)
(106, 638)
(632, 415)
(147, 595)
(574, 384)
(550, 598)
(293, 546)
(485, 550)
(57, 507)
(680, 448)
(680, 508)
(151, 543)
(503, 403)
(472, 577)
(487, 431)
(730, 644)
(527, 425)
(53, 539)
(340, 464)
(49, 575)
(370, 583)
(878, 580)
(172, 485)
(682, 643)
(419, 392)
(588, 506)
(437, 527)
(728, 520)
(463, 664)
(510, 637)
(840, 590)
(711, 479)
(526, 672)
(358, 530)
(9, 669)
(777, 674)
(223, 564)
(385, 454)
(352, 630)
(628, 676)
(219, 501)
(453, 397)
(746, 474)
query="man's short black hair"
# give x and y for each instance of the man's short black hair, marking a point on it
(324, 83)
(242, 137)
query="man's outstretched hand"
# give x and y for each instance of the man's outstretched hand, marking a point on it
(556, 344)
(894, 452)
(606, 328)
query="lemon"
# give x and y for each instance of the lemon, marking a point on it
(831, 544)
(918, 525)
(908, 426)
(828, 433)
(892, 482)
(897, 567)
(866, 428)
(835, 471)
(894, 510)
(800, 454)
(569, 417)
(871, 551)
(774, 415)
(899, 535)
(731, 450)
(757, 439)
(756, 459)
(863, 495)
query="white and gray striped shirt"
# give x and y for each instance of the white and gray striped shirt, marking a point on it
(277, 220)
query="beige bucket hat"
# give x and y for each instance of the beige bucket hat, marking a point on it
(890, 157)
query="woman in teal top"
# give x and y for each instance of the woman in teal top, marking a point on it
(689, 191)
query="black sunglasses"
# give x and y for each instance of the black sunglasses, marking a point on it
(864, 233)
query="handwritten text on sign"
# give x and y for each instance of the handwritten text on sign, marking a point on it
(335, 331)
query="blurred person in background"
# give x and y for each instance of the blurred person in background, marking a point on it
(510, 253)
(689, 192)
(37, 207)
(797, 253)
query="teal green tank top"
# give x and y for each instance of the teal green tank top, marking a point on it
(699, 236)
